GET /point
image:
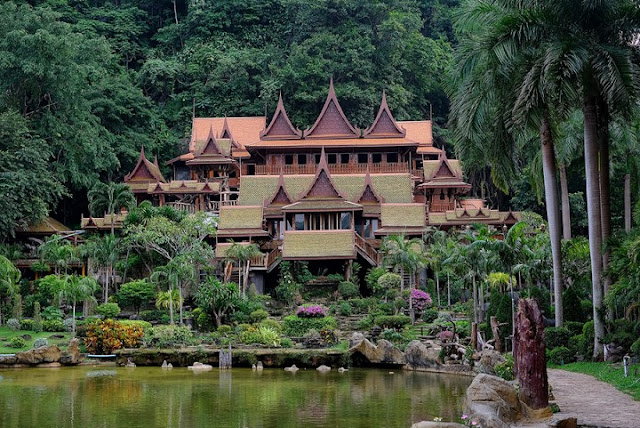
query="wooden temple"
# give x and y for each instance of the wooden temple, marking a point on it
(328, 192)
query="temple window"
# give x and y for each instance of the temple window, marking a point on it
(332, 158)
(344, 158)
(345, 220)
(288, 159)
(363, 158)
(317, 156)
(392, 157)
(302, 159)
(299, 221)
(376, 157)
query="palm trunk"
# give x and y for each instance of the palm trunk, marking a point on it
(566, 208)
(553, 212)
(246, 276)
(74, 318)
(627, 202)
(171, 320)
(180, 302)
(475, 299)
(402, 280)
(593, 212)
(605, 186)
(438, 288)
(448, 291)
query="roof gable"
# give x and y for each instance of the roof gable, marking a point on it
(332, 123)
(444, 169)
(210, 148)
(145, 170)
(368, 194)
(384, 125)
(280, 127)
(322, 186)
(281, 196)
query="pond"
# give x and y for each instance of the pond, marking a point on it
(153, 397)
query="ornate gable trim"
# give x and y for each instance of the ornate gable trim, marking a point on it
(384, 125)
(322, 186)
(369, 194)
(280, 127)
(145, 170)
(211, 146)
(332, 122)
(281, 195)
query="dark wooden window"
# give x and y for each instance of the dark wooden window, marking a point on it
(302, 159)
(363, 158)
(344, 158)
(288, 159)
(376, 157)
(392, 157)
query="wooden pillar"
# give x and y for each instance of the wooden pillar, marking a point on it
(495, 329)
(474, 336)
(530, 363)
(202, 205)
(161, 200)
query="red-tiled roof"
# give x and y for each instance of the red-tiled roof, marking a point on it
(144, 170)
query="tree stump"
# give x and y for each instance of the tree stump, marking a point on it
(530, 363)
(495, 329)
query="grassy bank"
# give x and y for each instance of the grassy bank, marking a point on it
(6, 334)
(610, 373)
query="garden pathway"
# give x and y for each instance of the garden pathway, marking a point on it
(596, 403)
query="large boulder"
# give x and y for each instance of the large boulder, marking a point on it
(493, 402)
(420, 354)
(44, 354)
(487, 360)
(384, 353)
(355, 339)
(72, 355)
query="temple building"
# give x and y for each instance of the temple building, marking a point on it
(328, 193)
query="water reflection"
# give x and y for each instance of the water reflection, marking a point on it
(151, 397)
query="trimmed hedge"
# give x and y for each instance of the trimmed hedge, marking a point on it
(392, 321)
(556, 337)
(297, 326)
(561, 355)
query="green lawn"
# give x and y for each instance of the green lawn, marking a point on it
(610, 373)
(6, 334)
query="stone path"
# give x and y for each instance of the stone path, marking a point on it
(595, 403)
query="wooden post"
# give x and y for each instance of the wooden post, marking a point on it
(224, 360)
(495, 329)
(474, 336)
(530, 362)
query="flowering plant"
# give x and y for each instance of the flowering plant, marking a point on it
(311, 311)
(421, 300)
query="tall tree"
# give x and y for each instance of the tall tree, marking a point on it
(75, 289)
(9, 278)
(107, 198)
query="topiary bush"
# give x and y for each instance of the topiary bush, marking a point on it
(348, 290)
(37, 318)
(297, 326)
(556, 337)
(68, 324)
(273, 324)
(13, 324)
(40, 343)
(52, 313)
(17, 342)
(258, 316)
(26, 324)
(344, 309)
(108, 310)
(262, 335)
(53, 325)
(225, 329)
(561, 355)
(575, 327)
(392, 321)
(167, 336)
(103, 337)
(430, 315)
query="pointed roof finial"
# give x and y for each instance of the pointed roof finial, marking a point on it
(226, 131)
(145, 170)
(332, 122)
(280, 127)
(384, 125)
(281, 195)
(368, 193)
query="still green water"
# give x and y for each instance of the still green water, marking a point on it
(151, 397)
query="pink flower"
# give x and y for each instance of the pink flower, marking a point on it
(311, 311)
(474, 423)
(464, 417)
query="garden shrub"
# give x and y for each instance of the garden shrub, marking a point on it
(286, 342)
(371, 279)
(348, 290)
(430, 315)
(556, 337)
(273, 324)
(103, 337)
(578, 345)
(41, 342)
(505, 370)
(392, 321)
(297, 326)
(167, 336)
(399, 304)
(344, 309)
(155, 315)
(575, 327)
(463, 328)
(258, 315)
(17, 342)
(225, 329)
(52, 313)
(203, 320)
(364, 306)
(136, 323)
(108, 310)
(13, 324)
(392, 335)
(26, 324)
(262, 335)
(288, 290)
(67, 324)
(364, 324)
(242, 327)
(561, 355)
(52, 325)
(572, 306)
(635, 348)
(37, 318)
(421, 300)
(389, 281)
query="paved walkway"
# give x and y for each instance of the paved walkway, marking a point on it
(595, 403)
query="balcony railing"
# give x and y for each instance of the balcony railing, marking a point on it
(367, 248)
(333, 168)
(183, 206)
(441, 206)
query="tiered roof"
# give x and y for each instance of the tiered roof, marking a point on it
(143, 173)
(318, 244)
(332, 122)
(384, 125)
(443, 173)
(241, 221)
(280, 127)
(402, 219)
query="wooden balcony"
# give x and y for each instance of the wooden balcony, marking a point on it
(440, 206)
(340, 168)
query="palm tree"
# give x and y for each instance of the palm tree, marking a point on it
(109, 197)
(9, 279)
(104, 251)
(74, 289)
(401, 255)
(59, 253)
(169, 299)
(177, 275)
(243, 253)
(437, 243)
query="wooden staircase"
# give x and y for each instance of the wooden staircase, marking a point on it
(366, 250)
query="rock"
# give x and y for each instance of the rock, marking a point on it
(293, 369)
(487, 361)
(48, 354)
(418, 354)
(342, 370)
(197, 366)
(253, 367)
(102, 373)
(130, 363)
(166, 365)
(493, 402)
(49, 365)
(323, 368)
(384, 352)
(56, 336)
(26, 336)
(7, 360)
(356, 338)
(427, 424)
(259, 366)
(72, 355)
